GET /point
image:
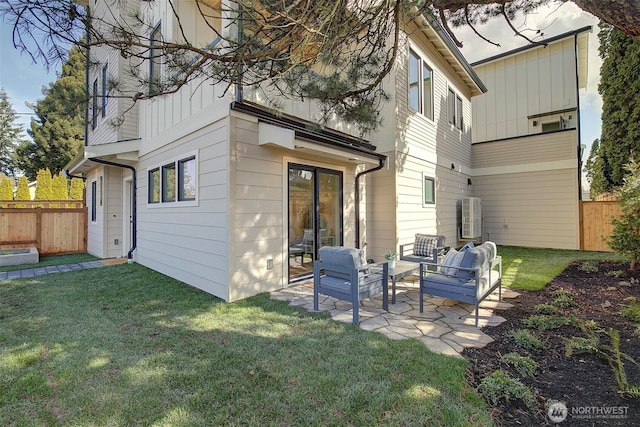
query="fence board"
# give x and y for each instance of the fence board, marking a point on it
(596, 224)
(51, 230)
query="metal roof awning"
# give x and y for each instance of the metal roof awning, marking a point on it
(125, 152)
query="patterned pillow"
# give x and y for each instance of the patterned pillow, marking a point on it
(451, 261)
(424, 245)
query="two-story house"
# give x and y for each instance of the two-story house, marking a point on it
(214, 189)
(526, 152)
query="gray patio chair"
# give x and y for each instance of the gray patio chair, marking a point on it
(343, 273)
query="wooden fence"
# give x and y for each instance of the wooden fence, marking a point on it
(52, 230)
(595, 223)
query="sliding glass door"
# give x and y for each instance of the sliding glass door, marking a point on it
(315, 215)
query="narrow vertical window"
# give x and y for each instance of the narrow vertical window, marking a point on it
(94, 204)
(169, 183)
(105, 78)
(451, 106)
(155, 60)
(187, 179)
(427, 90)
(414, 82)
(459, 122)
(429, 190)
(154, 185)
(94, 105)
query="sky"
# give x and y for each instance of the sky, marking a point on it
(23, 80)
(20, 77)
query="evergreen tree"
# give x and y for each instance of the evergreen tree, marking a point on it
(44, 189)
(6, 189)
(76, 190)
(625, 238)
(619, 87)
(60, 189)
(58, 130)
(11, 135)
(22, 192)
(595, 167)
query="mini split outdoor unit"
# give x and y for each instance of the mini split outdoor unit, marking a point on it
(471, 218)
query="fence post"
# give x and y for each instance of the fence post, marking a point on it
(39, 228)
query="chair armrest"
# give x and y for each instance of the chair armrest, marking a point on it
(406, 248)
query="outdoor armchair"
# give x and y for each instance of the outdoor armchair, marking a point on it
(343, 273)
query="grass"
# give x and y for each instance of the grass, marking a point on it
(124, 345)
(48, 261)
(532, 269)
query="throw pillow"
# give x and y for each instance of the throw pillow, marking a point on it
(465, 247)
(451, 261)
(424, 245)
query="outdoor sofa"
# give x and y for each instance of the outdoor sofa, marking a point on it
(468, 275)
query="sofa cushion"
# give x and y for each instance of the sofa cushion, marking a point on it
(344, 257)
(424, 245)
(477, 258)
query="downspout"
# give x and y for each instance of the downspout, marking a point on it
(134, 215)
(575, 49)
(357, 185)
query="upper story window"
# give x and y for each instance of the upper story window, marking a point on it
(105, 78)
(454, 109)
(420, 85)
(174, 181)
(155, 60)
(94, 105)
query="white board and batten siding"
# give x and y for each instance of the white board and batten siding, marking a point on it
(529, 190)
(534, 82)
(108, 225)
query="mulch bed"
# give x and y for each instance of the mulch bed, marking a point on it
(584, 382)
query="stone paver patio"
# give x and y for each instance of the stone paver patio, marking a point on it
(445, 326)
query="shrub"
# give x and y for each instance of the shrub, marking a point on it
(546, 309)
(500, 385)
(525, 339)
(563, 299)
(615, 273)
(589, 266)
(524, 365)
(544, 323)
(625, 238)
(631, 312)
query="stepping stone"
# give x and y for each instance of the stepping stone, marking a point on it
(374, 323)
(406, 332)
(432, 329)
(436, 345)
(391, 334)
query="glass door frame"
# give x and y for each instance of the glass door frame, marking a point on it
(339, 235)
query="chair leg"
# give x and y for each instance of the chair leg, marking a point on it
(477, 307)
(421, 298)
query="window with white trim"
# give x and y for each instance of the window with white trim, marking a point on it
(105, 76)
(420, 85)
(173, 182)
(155, 60)
(94, 203)
(94, 105)
(454, 109)
(428, 190)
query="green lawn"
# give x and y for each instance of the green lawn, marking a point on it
(124, 345)
(532, 269)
